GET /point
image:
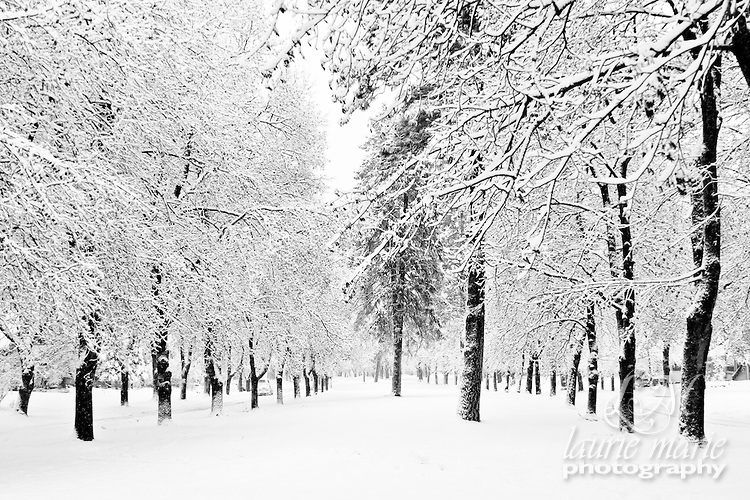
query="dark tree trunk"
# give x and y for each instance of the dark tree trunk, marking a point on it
(217, 389)
(377, 368)
(155, 382)
(530, 374)
(399, 309)
(740, 47)
(507, 380)
(573, 373)
(161, 354)
(254, 376)
(445, 377)
(279, 388)
(473, 343)
(295, 384)
(27, 386)
(487, 381)
(316, 381)
(623, 267)
(207, 385)
(707, 256)
(593, 357)
(124, 386)
(602, 381)
(398, 342)
(419, 372)
(85, 373)
(612, 380)
(665, 364)
(427, 373)
(520, 373)
(185, 362)
(537, 376)
(254, 392)
(563, 380)
(553, 382)
(580, 382)
(307, 382)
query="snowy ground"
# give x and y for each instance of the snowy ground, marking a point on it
(353, 442)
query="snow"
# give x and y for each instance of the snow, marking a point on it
(354, 441)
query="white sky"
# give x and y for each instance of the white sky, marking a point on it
(344, 154)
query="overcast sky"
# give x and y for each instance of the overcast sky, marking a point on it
(344, 154)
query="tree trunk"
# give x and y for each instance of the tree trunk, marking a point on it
(307, 382)
(740, 47)
(27, 386)
(473, 343)
(530, 374)
(580, 381)
(507, 380)
(537, 375)
(254, 376)
(279, 388)
(161, 354)
(185, 362)
(240, 379)
(295, 383)
(316, 381)
(85, 373)
(593, 357)
(707, 247)
(553, 382)
(124, 386)
(624, 304)
(665, 364)
(445, 377)
(573, 373)
(217, 389)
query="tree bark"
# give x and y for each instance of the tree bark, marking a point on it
(665, 363)
(623, 266)
(537, 376)
(307, 382)
(593, 357)
(84, 380)
(295, 384)
(507, 380)
(445, 378)
(161, 353)
(553, 382)
(573, 373)
(124, 386)
(708, 247)
(740, 47)
(473, 342)
(254, 376)
(27, 386)
(280, 385)
(185, 362)
(217, 389)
